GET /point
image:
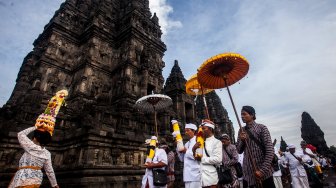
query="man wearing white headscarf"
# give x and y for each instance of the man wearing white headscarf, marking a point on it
(191, 168)
(212, 158)
(298, 173)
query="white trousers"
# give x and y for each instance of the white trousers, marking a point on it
(193, 184)
(300, 182)
(277, 181)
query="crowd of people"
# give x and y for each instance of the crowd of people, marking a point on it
(253, 161)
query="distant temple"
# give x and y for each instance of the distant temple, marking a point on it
(312, 134)
(107, 54)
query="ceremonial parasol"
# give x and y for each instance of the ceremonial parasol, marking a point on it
(222, 71)
(153, 103)
(193, 88)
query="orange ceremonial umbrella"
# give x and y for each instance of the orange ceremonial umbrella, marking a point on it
(194, 88)
(222, 70)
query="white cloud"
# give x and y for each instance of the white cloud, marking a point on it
(163, 10)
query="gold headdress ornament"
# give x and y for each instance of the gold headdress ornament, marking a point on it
(46, 121)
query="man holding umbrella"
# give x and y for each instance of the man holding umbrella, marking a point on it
(260, 149)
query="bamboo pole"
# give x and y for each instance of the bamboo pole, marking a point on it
(205, 104)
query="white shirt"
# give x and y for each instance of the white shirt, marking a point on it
(159, 156)
(323, 161)
(315, 162)
(306, 158)
(208, 171)
(191, 168)
(295, 167)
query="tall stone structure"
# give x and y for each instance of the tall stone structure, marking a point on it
(107, 53)
(312, 134)
(217, 114)
(183, 108)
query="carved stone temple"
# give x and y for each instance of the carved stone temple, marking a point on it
(108, 54)
(217, 114)
(312, 134)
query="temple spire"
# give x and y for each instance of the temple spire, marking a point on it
(175, 80)
(312, 133)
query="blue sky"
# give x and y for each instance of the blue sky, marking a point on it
(290, 46)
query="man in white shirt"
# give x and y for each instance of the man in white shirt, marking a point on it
(298, 173)
(308, 153)
(277, 174)
(212, 156)
(160, 160)
(314, 167)
(191, 167)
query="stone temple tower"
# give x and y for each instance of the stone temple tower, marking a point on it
(217, 114)
(312, 134)
(107, 53)
(184, 107)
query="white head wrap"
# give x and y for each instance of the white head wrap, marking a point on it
(209, 125)
(291, 146)
(191, 126)
(147, 141)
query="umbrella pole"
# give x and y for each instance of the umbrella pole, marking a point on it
(155, 122)
(206, 108)
(205, 104)
(254, 166)
(233, 105)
